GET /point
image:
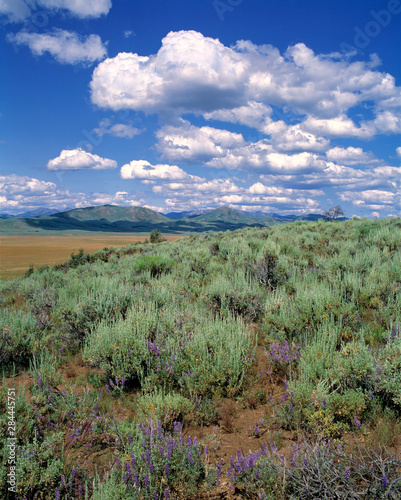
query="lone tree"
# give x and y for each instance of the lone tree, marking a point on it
(333, 213)
(156, 236)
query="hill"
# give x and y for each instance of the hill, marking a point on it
(111, 218)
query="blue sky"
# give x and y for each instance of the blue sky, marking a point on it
(286, 107)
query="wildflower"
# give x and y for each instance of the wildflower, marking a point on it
(56, 494)
(166, 469)
(63, 479)
(130, 439)
(190, 459)
(271, 398)
(166, 494)
(125, 478)
(347, 475)
(80, 491)
(291, 407)
(118, 463)
(73, 472)
(122, 382)
(146, 480)
(324, 402)
(385, 481)
(257, 475)
(206, 450)
(108, 389)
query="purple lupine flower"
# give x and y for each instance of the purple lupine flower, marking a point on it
(135, 479)
(80, 491)
(370, 395)
(127, 467)
(118, 463)
(125, 478)
(285, 385)
(285, 396)
(384, 481)
(347, 475)
(257, 475)
(271, 398)
(111, 383)
(340, 448)
(70, 487)
(206, 450)
(122, 382)
(151, 467)
(56, 494)
(166, 494)
(146, 481)
(166, 469)
(62, 478)
(196, 403)
(324, 402)
(73, 472)
(190, 459)
(108, 389)
(130, 439)
(291, 407)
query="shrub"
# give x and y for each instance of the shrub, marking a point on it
(166, 408)
(155, 465)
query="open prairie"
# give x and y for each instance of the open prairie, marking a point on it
(17, 253)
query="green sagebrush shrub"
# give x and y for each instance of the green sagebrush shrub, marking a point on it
(207, 355)
(18, 332)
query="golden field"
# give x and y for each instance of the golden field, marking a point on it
(17, 253)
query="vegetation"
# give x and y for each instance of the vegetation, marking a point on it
(261, 363)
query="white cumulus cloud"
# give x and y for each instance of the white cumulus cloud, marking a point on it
(20, 10)
(192, 73)
(65, 46)
(78, 159)
(143, 170)
(124, 130)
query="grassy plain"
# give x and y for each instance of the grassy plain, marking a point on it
(259, 364)
(17, 253)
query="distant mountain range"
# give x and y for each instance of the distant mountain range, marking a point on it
(111, 218)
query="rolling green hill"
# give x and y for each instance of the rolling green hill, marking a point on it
(110, 218)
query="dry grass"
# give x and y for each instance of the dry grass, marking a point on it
(17, 253)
